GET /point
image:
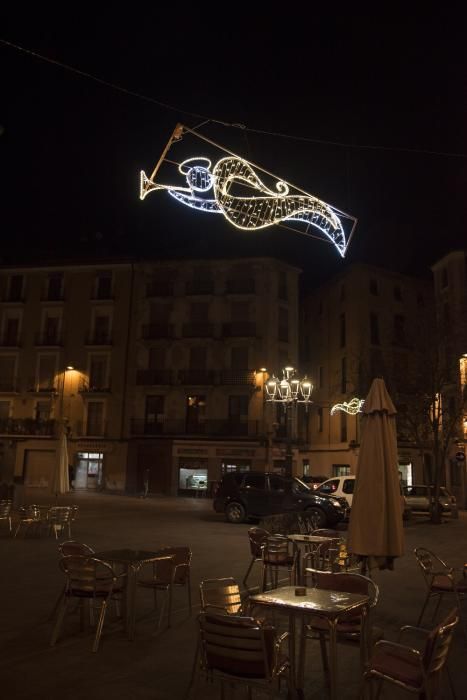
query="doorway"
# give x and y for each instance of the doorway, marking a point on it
(88, 472)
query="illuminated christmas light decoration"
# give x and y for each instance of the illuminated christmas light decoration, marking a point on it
(351, 407)
(233, 188)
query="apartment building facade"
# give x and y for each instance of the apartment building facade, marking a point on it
(356, 327)
(152, 366)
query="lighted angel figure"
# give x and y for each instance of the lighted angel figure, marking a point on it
(352, 407)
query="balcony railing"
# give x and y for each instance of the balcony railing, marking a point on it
(49, 339)
(239, 329)
(151, 377)
(99, 339)
(158, 330)
(196, 376)
(10, 341)
(209, 427)
(237, 376)
(200, 329)
(199, 287)
(8, 384)
(44, 386)
(245, 286)
(27, 426)
(91, 429)
(94, 387)
(160, 289)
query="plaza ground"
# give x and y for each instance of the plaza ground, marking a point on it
(158, 664)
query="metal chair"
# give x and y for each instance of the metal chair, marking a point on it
(30, 519)
(440, 580)
(275, 555)
(220, 595)
(5, 512)
(172, 570)
(73, 547)
(59, 519)
(410, 669)
(348, 628)
(321, 556)
(238, 650)
(257, 537)
(92, 582)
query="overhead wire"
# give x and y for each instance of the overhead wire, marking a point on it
(206, 119)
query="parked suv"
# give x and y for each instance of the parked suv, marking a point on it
(343, 487)
(420, 497)
(255, 494)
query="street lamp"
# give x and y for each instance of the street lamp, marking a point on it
(289, 391)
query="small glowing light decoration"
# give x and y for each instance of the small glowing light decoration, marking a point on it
(289, 389)
(232, 187)
(352, 407)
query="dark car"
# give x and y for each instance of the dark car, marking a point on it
(242, 495)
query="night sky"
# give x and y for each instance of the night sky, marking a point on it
(390, 88)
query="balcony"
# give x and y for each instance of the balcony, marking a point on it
(238, 377)
(49, 339)
(27, 426)
(239, 329)
(196, 376)
(152, 331)
(10, 340)
(43, 386)
(8, 384)
(98, 338)
(199, 287)
(201, 329)
(225, 428)
(160, 289)
(240, 286)
(152, 377)
(94, 387)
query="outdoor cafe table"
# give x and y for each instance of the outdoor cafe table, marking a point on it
(131, 560)
(316, 601)
(313, 541)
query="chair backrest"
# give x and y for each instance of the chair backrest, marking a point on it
(438, 644)
(5, 509)
(237, 645)
(59, 514)
(257, 537)
(326, 532)
(220, 593)
(304, 525)
(178, 561)
(74, 512)
(31, 512)
(276, 549)
(349, 583)
(72, 547)
(430, 564)
(87, 575)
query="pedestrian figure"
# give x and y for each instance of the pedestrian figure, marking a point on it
(146, 483)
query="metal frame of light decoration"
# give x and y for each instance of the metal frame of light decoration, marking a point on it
(289, 390)
(351, 407)
(209, 189)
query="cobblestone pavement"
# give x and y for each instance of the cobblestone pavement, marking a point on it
(158, 665)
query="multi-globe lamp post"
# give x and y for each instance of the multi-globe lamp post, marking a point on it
(289, 391)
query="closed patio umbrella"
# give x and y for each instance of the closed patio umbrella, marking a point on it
(376, 530)
(61, 479)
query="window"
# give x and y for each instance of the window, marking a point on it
(397, 293)
(399, 329)
(278, 484)
(343, 417)
(7, 373)
(255, 481)
(340, 469)
(195, 413)
(343, 375)
(55, 286)
(283, 325)
(11, 332)
(95, 418)
(320, 420)
(4, 410)
(154, 414)
(349, 485)
(239, 358)
(238, 407)
(329, 487)
(43, 410)
(46, 372)
(15, 292)
(98, 372)
(342, 330)
(104, 285)
(320, 377)
(444, 278)
(374, 329)
(51, 329)
(374, 287)
(101, 328)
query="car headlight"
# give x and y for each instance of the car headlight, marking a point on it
(336, 503)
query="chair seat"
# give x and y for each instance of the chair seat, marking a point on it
(398, 666)
(80, 593)
(442, 582)
(279, 560)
